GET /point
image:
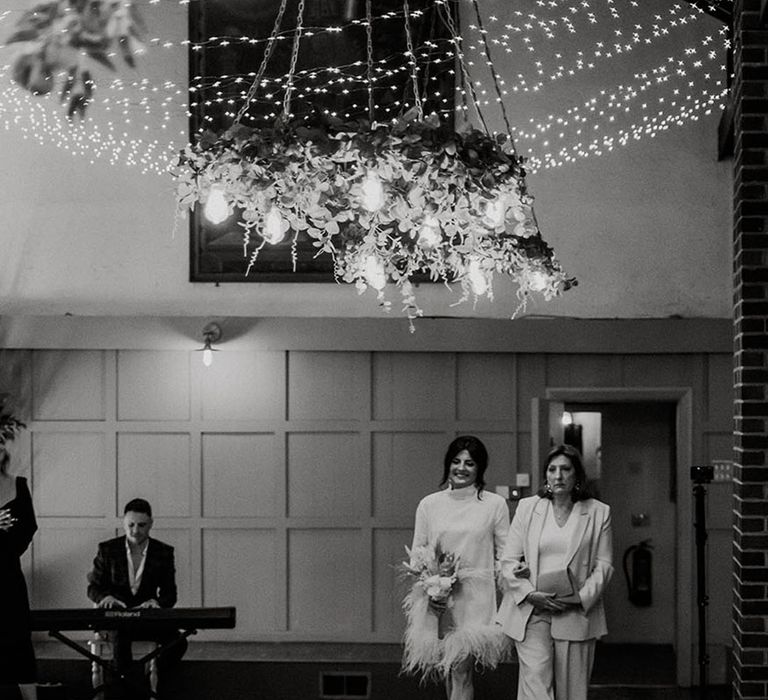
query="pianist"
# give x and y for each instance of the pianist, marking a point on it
(135, 571)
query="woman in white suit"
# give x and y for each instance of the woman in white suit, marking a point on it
(556, 563)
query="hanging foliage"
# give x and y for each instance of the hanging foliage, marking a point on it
(58, 38)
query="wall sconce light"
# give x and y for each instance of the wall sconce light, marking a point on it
(211, 334)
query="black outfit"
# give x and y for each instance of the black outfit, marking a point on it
(17, 657)
(109, 576)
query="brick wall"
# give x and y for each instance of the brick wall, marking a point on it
(750, 517)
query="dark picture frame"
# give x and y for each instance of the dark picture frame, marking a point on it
(227, 43)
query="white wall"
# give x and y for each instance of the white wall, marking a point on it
(646, 228)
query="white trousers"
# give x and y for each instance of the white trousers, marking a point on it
(459, 683)
(552, 669)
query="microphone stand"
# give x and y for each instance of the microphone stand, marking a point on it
(701, 476)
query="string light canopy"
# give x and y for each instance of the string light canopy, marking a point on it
(654, 68)
(392, 202)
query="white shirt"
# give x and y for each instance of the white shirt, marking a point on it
(554, 541)
(134, 575)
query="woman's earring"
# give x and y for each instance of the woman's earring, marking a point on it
(548, 488)
(577, 487)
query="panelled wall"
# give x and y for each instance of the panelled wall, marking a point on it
(287, 480)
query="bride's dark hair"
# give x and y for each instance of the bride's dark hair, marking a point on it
(478, 453)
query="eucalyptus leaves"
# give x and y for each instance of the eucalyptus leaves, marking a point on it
(57, 39)
(389, 202)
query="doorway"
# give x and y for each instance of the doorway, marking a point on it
(629, 452)
(635, 422)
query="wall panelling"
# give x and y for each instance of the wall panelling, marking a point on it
(287, 480)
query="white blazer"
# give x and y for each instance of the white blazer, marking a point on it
(589, 559)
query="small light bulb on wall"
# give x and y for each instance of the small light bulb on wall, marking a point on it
(211, 334)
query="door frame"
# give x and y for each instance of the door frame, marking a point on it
(682, 397)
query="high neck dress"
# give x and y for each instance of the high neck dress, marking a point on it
(17, 657)
(474, 529)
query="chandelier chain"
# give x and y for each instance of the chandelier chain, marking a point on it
(412, 60)
(466, 77)
(494, 74)
(369, 56)
(426, 64)
(263, 66)
(294, 57)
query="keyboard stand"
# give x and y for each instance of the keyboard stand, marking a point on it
(98, 664)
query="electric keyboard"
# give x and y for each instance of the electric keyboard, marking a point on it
(139, 618)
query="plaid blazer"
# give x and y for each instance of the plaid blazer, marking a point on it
(109, 575)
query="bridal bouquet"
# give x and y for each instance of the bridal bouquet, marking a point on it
(434, 642)
(433, 570)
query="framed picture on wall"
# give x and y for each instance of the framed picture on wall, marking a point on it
(228, 40)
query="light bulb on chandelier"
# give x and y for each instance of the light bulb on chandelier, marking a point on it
(216, 209)
(375, 274)
(476, 277)
(274, 226)
(538, 280)
(496, 211)
(373, 192)
(429, 233)
(391, 202)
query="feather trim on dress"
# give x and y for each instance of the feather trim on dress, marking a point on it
(428, 656)
(487, 644)
(422, 649)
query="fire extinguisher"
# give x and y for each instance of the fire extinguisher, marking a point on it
(639, 573)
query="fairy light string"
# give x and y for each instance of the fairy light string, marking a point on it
(494, 74)
(369, 57)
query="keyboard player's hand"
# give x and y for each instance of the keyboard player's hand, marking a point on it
(151, 603)
(110, 601)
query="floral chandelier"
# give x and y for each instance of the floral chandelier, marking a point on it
(395, 203)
